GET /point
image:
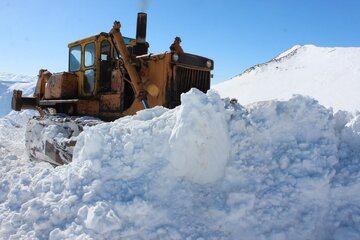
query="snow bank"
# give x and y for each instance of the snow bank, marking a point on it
(209, 169)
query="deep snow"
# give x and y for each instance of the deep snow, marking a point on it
(209, 169)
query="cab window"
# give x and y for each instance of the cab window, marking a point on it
(105, 66)
(105, 50)
(89, 81)
(89, 54)
(75, 58)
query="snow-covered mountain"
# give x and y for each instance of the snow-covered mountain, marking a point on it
(9, 82)
(330, 75)
(208, 169)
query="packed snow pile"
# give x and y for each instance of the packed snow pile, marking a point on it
(9, 82)
(330, 75)
(208, 169)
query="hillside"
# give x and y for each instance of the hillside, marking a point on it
(330, 75)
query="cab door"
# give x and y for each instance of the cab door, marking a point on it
(82, 63)
(89, 69)
(105, 66)
(75, 65)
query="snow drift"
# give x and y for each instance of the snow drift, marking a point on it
(209, 169)
(330, 75)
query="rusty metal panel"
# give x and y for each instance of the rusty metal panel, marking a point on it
(61, 86)
(117, 82)
(87, 107)
(43, 77)
(155, 72)
(18, 102)
(110, 103)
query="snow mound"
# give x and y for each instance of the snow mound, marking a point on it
(200, 128)
(9, 82)
(330, 75)
(208, 169)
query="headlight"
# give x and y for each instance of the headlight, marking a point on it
(175, 57)
(208, 63)
(153, 90)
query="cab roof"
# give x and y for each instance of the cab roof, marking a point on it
(128, 41)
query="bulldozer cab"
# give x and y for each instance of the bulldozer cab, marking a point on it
(92, 60)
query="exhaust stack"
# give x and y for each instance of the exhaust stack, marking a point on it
(141, 44)
(141, 27)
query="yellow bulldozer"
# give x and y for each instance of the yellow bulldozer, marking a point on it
(109, 76)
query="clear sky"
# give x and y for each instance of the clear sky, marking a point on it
(236, 34)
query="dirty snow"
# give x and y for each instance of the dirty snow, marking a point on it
(209, 169)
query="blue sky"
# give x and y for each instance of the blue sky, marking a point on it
(236, 34)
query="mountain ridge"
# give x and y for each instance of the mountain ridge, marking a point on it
(330, 75)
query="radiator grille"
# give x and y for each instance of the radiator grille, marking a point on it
(185, 79)
(191, 78)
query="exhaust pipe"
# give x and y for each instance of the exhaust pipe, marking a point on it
(141, 27)
(141, 47)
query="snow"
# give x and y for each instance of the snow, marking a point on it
(9, 82)
(208, 140)
(330, 75)
(274, 170)
(208, 169)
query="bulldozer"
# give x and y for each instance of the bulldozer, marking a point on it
(109, 76)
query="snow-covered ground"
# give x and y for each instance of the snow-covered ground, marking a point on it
(208, 169)
(9, 82)
(331, 75)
